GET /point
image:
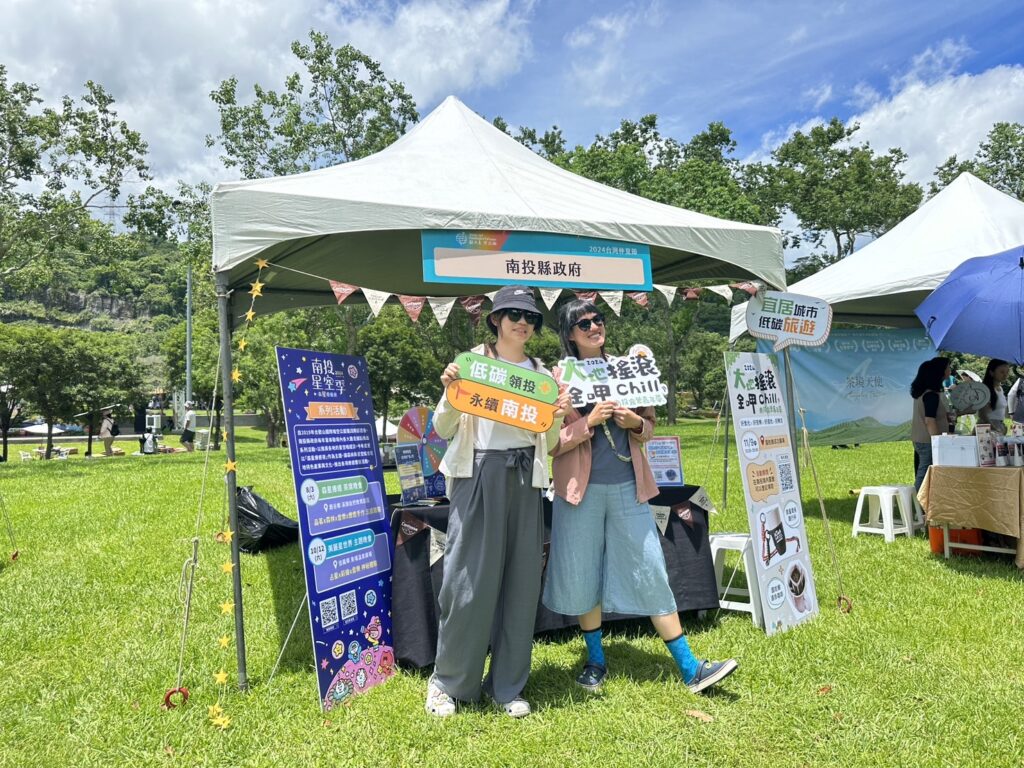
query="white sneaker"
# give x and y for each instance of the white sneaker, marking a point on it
(518, 707)
(439, 703)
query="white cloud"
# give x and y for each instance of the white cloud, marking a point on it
(600, 71)
(161, 59)
(819, 96)
(863, 96)
(934, 63)
(439, 46)
(931, 121)
(931, 111)
(797, 35)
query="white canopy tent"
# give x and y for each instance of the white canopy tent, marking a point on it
(385, 430)
(884, 281)
(360, 223)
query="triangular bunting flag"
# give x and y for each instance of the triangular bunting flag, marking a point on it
(692, 294)
(748, 286)
(668, 291)
(474, 305)
(342, 290)
(491, 295)
(613, 299)
(550, 296)
(722, 290)
(590, 296)
(375, 299)
(413, 306)
(640, 297)
(442, 308)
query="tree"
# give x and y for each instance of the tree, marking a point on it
(703, 373)
(11, 339)
(839, 190)
(64, 371)
(342, 107)
(57, 164)
(399, 366)
(260, 388)
(999, 161)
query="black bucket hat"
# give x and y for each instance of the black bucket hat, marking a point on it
(514, 297)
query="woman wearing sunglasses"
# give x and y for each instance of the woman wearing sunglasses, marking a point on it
(492, 559)
(605, 550)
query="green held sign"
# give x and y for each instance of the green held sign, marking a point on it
(507, 377)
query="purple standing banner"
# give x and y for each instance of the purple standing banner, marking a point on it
(343, 519)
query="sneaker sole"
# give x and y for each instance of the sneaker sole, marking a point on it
(720, 674)
(437, 712)
(590, 688)
(516, 716)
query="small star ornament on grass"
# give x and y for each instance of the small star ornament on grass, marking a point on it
(227, 607)
(221, 678)
(227, 567)
(230, 466)
(224, 641)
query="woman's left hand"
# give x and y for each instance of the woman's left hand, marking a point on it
(627, 419)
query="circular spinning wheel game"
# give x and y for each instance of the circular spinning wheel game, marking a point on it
(417, 426)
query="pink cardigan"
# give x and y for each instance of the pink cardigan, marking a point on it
(572, 457)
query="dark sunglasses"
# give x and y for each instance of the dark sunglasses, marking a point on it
(515, 315)
(585, 323)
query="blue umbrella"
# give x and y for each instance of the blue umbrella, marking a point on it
(979, 308)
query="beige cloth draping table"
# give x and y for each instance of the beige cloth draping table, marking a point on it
(990, 498)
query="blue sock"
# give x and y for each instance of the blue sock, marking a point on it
(687, 662)
(595, 653)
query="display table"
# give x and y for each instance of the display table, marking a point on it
(990, 498)
(418, 569)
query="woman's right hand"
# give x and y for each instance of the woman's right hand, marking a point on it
(600, 413)
(451, 373)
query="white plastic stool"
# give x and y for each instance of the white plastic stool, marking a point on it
(880, 511)
(737, 542)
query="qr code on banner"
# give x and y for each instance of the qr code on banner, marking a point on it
(328, 612)
(786, 476)
(349, 608)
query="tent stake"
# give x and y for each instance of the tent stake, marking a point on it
(223, 307)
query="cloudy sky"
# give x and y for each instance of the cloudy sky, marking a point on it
(931, 76)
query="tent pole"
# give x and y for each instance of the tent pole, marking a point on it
(725, 453)
(230, 480)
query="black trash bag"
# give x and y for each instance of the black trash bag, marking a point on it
(260, 526)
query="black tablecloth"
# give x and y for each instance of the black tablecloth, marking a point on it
(416, 583)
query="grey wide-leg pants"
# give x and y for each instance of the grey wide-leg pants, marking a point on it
(492, 575)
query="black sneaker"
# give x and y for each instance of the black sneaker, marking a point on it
(592, 676)
(711, 673)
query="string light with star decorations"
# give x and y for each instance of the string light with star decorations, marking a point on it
(217, 716)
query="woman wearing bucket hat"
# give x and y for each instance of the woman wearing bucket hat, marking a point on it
(605, 550)
(492, 559)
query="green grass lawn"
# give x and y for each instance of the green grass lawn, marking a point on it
(927, 670)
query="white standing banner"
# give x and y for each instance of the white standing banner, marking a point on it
(774, 511)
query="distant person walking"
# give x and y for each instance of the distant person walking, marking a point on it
(188, 428)
(107, 431)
